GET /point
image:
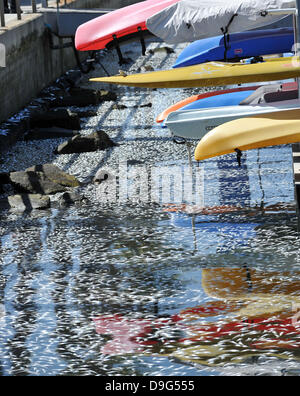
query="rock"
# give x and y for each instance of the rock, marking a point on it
(119, 106)
(149, 104)
(4, 204)
(56, 175)
(101, 176)
(28, 202)
(62, 118)
(4, 178)
(70, 198)
(135, 162)
(34, 183)
(49, 133)
(42, 179)
(82, 97)
(73, 77)
(147, 68)
(122, 106)
(166, 50)
(87, 113)
(98, 140)
(11, 132)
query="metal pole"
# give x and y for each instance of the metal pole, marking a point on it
(2, 17)
(33, 4)
(282, 11)
(18, 9)
(297, 37)
(295, 147)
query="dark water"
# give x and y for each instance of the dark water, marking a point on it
(145, 290)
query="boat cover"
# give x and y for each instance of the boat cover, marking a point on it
(190, 20)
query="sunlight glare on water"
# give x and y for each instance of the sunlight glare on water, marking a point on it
(141, 290)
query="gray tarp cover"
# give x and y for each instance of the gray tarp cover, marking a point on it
(191, 20)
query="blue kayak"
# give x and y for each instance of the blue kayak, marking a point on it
(241, 45)
(226, 99)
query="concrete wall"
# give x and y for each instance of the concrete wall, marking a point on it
(30, 63)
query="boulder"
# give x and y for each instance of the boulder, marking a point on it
(73, 77)
(82, 97)
(70, 198)
(28, 202)
(98, 140)
(42, 179)
(11, 132)
(87, 113)
(62, 118)
(122, 106)
(25, 202)
(56, 175)
(161, 50)
(4, 178)
(49, 133)
(34, 183)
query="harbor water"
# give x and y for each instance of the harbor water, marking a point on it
(146, 283)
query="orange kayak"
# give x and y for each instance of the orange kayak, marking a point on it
(162, 116)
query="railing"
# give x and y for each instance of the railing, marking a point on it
(18, 10)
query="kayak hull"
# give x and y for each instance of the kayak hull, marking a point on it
(124, 22)
(209, 74)
(192, 100)
(195, 124)
(241, 45)
(202, 100)
(282, 127)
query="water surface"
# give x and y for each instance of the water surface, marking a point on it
(153, 288)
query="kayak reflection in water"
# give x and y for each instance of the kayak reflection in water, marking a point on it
(224, 209)
(252, 314)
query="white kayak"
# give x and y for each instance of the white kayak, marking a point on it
(194, 124)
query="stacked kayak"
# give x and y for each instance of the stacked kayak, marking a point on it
(281, 127)
(121, 24)
(191, 20)
(229, 97)
(195, 124)
(238, 46)
(194, 120)
(202, 100)
(210, 74)
(208, 116)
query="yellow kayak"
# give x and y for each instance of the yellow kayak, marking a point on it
(282, 127)
(209, 74)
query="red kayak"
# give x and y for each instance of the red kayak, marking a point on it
(123, 23)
